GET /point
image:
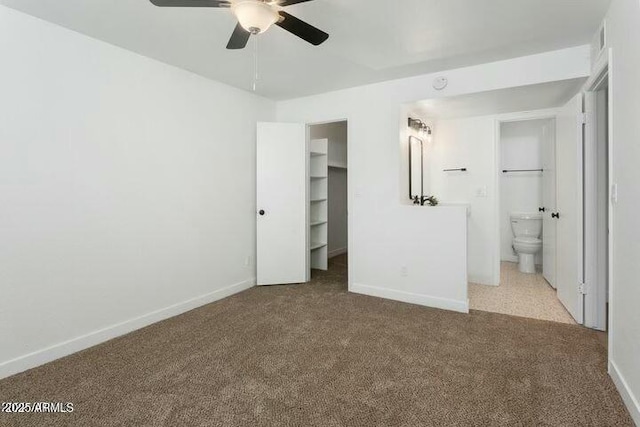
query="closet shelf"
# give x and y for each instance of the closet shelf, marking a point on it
(317, 245)
(319, 194)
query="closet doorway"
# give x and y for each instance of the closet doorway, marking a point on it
(301, 201)
(328, 199)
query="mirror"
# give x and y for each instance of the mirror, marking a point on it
(416, 168)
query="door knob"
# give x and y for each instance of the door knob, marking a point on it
(261, 212)
(555, 215)
(541, 209)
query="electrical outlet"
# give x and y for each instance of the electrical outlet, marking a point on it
(247, 261)
(404, 272)
(481, 191)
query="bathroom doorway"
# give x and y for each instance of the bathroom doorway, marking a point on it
(524, 188)
(526, 223)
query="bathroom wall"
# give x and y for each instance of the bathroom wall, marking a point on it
(520, 148)
(468, 143)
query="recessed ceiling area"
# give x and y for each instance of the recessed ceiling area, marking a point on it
(370, 40)
(511, 100)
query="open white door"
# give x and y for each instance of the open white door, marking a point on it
(549, 205)
(281, 174)
(569, 266)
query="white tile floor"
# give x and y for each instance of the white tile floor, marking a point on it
(519, 294)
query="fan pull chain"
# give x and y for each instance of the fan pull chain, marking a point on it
(255, 63)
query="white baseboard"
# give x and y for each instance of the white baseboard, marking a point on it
(628, 398)
(336, 252)
(426, 300)
(510, 258)
(74, 345)
(482, 280)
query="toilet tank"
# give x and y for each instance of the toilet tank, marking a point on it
(524, 224)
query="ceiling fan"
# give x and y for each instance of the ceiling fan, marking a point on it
(255, 17)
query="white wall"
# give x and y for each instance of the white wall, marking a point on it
(337, 212)
(384, 234)
(623, 33)
(520, 148)
(336, 133)
(127, 189)
(469, 143)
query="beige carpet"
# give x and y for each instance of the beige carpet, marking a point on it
(519, 294)
(316, 355)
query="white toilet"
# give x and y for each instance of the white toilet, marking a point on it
(527, 229)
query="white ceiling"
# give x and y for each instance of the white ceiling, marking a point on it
(371, 40)
(511, 100)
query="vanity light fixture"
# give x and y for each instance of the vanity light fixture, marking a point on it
(421, 127)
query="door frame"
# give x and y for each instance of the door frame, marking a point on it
(349, 195)
(545, 114)
(595, 298)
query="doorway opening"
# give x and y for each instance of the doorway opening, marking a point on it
(301, 198)
(526, 223)
(328, 201)
(597, 202)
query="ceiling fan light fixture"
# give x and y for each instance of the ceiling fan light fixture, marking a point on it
(255, 16)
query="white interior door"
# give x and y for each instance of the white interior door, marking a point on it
(549, 205)
(281, 204)
(569, 266)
